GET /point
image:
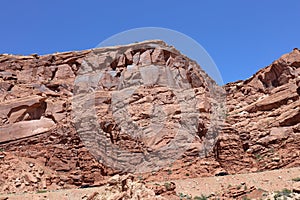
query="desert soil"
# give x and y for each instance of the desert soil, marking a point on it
(270, 181)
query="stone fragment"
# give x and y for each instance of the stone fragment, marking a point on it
(158, 56)
(122, 61)
(145, 58)
(5, 86)
(64, 74)
(136, 58)
(29, 177)
(24, 129)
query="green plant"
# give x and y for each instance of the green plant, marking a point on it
(239, 187)
(167, 185)
(1, 150)
(271, 150)
(140, 178)
(265, 194)
(297, 179)
(169, 172)
(202, 197)
(258, 157)
(41, 191)
(246, 198)
(284, 193)
(184, 196)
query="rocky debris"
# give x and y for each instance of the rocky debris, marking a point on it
(239, 192)
(284, 194)
(126, 187)
(243, 191)
(38, 119)
(21, 175)
(67, 162)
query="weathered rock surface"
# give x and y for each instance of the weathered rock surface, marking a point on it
(265, 112)
(127, 187)
(39, 95)
(140, 114)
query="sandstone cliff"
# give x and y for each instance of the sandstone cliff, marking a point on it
(63, 122)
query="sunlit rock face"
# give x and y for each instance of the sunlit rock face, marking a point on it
(73, 119)
(265, 110)
(146, 106)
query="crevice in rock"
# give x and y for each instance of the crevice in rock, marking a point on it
(53, 87)
(53, 73)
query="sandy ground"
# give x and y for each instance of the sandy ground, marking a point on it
(270, 181)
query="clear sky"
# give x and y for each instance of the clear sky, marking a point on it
(241, 36)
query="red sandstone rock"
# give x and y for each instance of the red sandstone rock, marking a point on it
(37, 119)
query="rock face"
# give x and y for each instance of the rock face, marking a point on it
(82, 117)
(264, 110)
(35, 104)
(140, 107)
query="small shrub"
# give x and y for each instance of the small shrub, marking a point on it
(246, 198)
(284, 193)
(167, 185)
(202, 197)
(140, 178)
(271, 150)
(169, 172)
(184, 196)
(296, 179)
(265, 194)
(258, 157)
(41, 191)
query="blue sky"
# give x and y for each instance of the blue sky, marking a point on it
(240, 36)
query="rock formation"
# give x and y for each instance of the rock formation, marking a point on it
(74, 119)
(127, 187)
(265, 111)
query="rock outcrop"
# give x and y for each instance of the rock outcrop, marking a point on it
(127, 187)
(265, 111)
(35, 104)
(84, 116)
